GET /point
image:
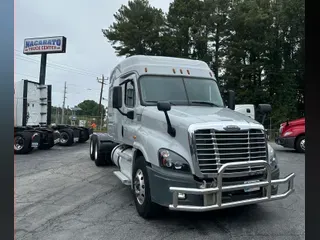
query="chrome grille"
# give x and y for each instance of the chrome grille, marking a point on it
(215, 148)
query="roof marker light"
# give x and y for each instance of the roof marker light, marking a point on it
(146, 69)
(188, 72)
(210, 74)
(181, 71)
(173, 70)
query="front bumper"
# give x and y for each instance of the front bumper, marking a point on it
(200, 198)
(287, 142)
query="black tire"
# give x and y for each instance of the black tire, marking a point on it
(300, 144)
(84, 135)
(99, 157)
(147, 209)
(49, 144)
(92, 148)
(102, 153)
(66, 137)
(24, 140)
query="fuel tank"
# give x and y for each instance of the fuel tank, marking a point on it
(122, 156)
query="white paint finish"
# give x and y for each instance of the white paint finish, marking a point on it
(163, 66)
(18, 102)
(35, 93)
(149, 134)
(34, 107)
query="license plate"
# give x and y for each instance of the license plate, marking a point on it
(253, 188)
(34, 144)
(76, 139)
(56, 140)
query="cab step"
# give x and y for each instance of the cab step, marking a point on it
(122, 177)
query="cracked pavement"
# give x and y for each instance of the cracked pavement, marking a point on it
(61, 194)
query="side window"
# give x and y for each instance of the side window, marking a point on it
(130, 97)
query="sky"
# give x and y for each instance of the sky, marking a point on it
(88, 54)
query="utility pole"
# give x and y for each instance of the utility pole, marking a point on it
(100, 107)
(64, 102)
(57, 115)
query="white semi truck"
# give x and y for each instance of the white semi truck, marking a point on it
(176, 143)
(33, 127)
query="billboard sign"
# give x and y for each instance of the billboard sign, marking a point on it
(45, 45)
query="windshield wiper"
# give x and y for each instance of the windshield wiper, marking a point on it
(206, 103)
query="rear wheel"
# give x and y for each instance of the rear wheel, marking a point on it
(99, 157)
(301, 144)
(84, 135)
(92, 149)
(22, 143)
(141, 190)
(102, 152)
(66, 137)
(49, 144)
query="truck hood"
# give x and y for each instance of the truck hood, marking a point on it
(187, 115)
(299, 121)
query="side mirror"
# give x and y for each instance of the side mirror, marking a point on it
(264, 108)
(130, 115)
(117, 97)
(231, 100)
(164, 106)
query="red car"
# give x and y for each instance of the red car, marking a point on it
(292, 135)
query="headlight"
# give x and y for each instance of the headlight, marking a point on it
(273, 161)
(173, 161)
(287, 134)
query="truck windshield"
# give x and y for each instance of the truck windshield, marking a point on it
(180, 91)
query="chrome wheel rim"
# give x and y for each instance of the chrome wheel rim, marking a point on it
(302, 144)
(91, 147)
(96, 153)
(139, 187)
(64, 137)
(18, 143)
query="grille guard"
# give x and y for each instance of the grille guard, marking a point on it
(217, 191)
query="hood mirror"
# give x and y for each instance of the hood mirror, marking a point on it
(165, 107)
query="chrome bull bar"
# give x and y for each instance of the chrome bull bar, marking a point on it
(217, 191)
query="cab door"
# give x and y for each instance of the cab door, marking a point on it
(130, 126)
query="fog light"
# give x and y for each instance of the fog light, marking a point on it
(181, 196)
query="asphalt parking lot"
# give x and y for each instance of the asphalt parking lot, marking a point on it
(61, 194)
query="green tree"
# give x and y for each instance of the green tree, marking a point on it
(255, 47)
(90, 108)
(136, 30)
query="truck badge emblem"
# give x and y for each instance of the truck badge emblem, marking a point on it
(231, 128)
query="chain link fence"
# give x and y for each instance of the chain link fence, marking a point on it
(95, 122)
(83, 121)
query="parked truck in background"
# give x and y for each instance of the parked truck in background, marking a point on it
(292, 135)
(177, 145)
(33, 127)
(258, 113)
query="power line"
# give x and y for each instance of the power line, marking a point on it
(80, 72)
(58, 64)
(49, 82)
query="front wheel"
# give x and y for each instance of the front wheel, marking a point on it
(141, 190)
(301, 144)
